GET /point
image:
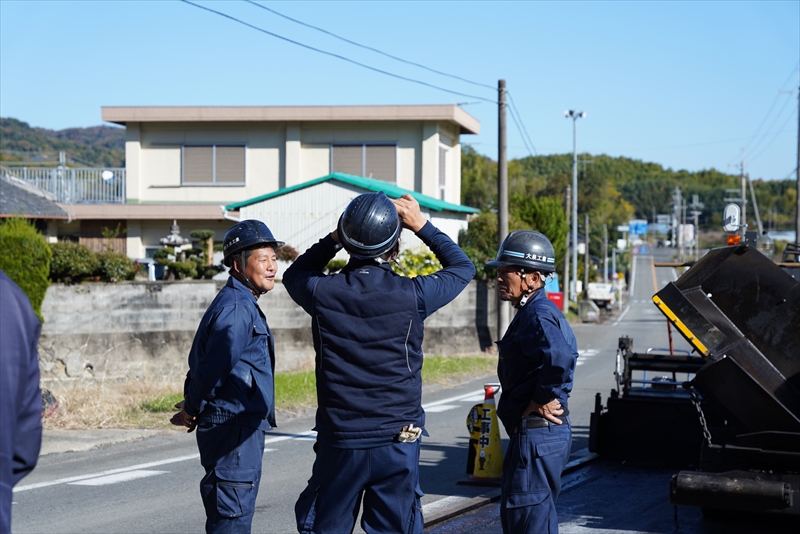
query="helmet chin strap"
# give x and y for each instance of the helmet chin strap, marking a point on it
(528, 293)
(247, 281)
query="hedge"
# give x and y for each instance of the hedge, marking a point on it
(25, 258)
(72, 262)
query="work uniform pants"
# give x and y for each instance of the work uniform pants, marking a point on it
(386, 478)
(532, 478)
(231, 456)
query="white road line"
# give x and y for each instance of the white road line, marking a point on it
(441, 504)
(467, 397)
(441, 408)
(309, 435)
(104, 473)
(622, 315)
(119, 477)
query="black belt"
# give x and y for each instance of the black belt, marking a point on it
(532, 422)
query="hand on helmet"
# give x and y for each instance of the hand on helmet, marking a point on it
(410, 215)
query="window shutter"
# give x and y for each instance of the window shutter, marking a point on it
(198, 165)
(230, 165)
(348, 159)
(381, 163)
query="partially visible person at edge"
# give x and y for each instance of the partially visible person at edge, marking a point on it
(368, 327)
(229, 393)
(537, 361)
(20, 397)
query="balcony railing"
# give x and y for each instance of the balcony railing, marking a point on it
(74, 185)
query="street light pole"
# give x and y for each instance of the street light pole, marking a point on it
(574, 115)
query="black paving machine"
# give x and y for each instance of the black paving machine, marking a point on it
(734, 422)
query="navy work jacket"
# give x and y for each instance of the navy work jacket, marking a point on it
(537, 361)
(232, 361)
(20, 397)
(368, 327)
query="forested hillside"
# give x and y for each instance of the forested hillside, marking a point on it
(610, 190)
(97, 146)
(613, 189)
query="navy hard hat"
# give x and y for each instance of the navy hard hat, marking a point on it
(246, 234)
(369, 226)
(526, 249)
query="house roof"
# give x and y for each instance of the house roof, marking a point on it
(449, 112)
(19, 199)
(369, 184)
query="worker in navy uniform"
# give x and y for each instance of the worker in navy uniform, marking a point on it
(20, 397)
(368, 328)
(536, 366)
(229, 394)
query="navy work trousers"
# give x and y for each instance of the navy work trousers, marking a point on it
(532, 478)
(231, 456)
(385, 477)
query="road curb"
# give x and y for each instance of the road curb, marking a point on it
(463, 505)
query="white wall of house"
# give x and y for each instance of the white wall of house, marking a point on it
(280, 155)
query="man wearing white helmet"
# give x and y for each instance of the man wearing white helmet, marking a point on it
(536, 366)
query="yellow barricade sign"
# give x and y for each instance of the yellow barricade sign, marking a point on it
(485, 455)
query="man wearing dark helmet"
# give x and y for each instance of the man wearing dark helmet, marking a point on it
(536, 365)
(367, 326)
(229, 393)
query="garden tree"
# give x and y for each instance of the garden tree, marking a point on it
(25, 258)
(478, 179)
(206, 238)
(545, 215)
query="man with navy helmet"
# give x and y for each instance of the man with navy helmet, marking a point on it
(229, 394)
(536, 366)
(368, 326)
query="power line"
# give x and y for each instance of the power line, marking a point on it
(769, 130)
(515, 110)
(777, 96)
(791, 115)
(326, 32)
(343, 58)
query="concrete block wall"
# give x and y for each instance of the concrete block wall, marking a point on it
(145, 329)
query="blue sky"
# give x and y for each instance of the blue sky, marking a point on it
(684, 84)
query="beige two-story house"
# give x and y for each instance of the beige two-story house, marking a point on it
(188, 163)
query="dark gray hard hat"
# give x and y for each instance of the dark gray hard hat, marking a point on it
(246, 234)
(527, 249)
(369, 226)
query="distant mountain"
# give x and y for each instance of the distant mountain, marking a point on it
(96, 146)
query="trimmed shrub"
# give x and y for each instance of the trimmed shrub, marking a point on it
(412, 264)
(334, 266)
(115, 267)
(72, 262)
(25, 258)
(287, 253)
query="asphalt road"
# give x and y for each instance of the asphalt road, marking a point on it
(152, 485)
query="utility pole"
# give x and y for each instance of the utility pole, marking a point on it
(696, 206)
(566, 297)
(586, 253)
(797, 170)
(605, 253)
(503, 312)
(677, 199)
(574, 115)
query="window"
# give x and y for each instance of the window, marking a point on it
(371, 161)
(213, 165)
